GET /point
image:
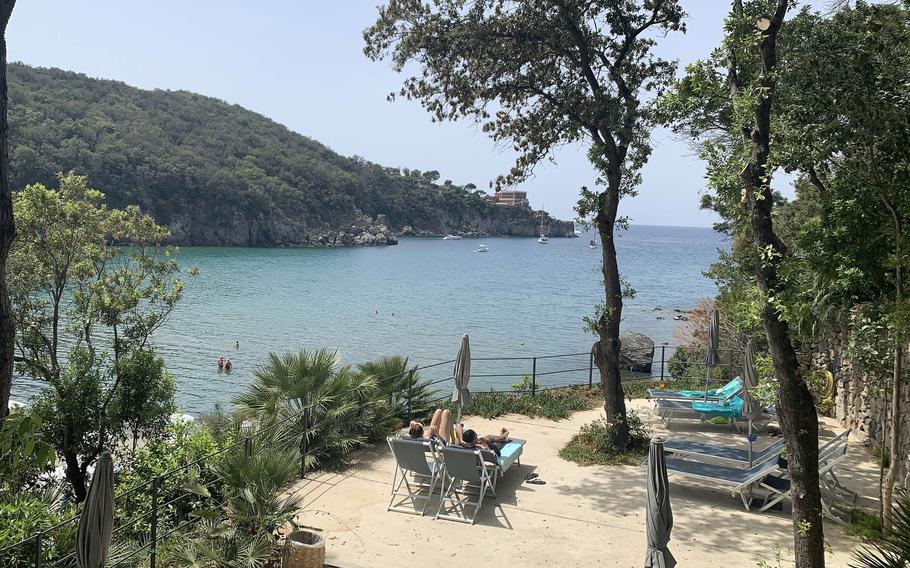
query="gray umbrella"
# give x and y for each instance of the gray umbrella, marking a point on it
(750, 381)
(97, 522)
(712, 358)
(462, 396)
(658, 514)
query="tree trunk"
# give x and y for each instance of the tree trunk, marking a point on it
(894, 442)
(796, 408)
(7, 226)
(606, 350)
(74, 474)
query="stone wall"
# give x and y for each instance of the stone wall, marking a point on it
(859, 404)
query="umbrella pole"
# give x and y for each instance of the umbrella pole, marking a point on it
(707, 382)
(750, 442)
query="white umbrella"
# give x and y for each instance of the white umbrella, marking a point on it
(96, 526)
(461, 395)
(712, 358)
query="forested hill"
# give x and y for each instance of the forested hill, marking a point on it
(219, 174)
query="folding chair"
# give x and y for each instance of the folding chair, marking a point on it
(411, 459)
(462, 467)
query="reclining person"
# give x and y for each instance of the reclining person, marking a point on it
(469, 439)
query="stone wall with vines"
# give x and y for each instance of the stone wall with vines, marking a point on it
(860, 399)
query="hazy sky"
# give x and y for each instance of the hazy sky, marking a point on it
(301, 63)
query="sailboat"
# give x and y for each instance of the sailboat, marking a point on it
(543, 238)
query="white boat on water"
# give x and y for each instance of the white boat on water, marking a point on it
(543, 240)
(481, 248)
(592, 244)
(452, 237)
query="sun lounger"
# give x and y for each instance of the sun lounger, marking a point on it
(738, 457)
(728, 391)
(829, 455)
(667, 409)
(740, 481)
(416, 459)
(509, 453)
(462, 466)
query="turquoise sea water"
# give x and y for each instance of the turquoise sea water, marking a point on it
(417, 299)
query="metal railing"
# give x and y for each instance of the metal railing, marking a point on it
(489, 374)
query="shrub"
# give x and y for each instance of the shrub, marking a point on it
(555, 404)
(595, 444)
(892, 548)
(23, 516)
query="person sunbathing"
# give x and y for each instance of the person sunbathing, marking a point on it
(493, 442)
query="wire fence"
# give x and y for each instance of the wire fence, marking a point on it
(529, 375)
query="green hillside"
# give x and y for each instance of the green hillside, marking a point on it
(219, 174)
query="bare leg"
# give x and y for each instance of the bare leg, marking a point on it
(437, 418)
(497, 439)
(446, 430)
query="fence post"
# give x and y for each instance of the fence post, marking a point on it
(153, 532)
(39, 553)
(591, 370)
(533, 377)
(410, 397)
(663, 354)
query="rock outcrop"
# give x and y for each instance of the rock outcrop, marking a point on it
(636, 352)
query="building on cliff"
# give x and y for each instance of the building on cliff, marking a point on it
(510, 199)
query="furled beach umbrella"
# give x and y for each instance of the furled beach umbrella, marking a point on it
(96, 525)
(712, 358)
(462, 396)
(750, 381)
(658, 514)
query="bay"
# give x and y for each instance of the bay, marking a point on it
(520, 299)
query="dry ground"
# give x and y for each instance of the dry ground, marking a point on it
(583, 516)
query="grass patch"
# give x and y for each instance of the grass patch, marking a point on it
(594, 444)
(555, 404)
(864, 526)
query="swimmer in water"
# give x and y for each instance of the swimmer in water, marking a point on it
(228, 365)
(236, 345)
(221, 362)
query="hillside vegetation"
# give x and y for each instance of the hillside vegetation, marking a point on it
(218, 174)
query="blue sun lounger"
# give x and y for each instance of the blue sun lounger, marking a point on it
(509, 453)
(667, 410)
(726, 392)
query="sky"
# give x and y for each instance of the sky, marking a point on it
(301, 64)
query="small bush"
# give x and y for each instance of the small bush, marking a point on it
(864, 526)
(595, 444)
(555, 404)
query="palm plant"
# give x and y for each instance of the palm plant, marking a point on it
(893, 550)
(312, 403)
(403, 388)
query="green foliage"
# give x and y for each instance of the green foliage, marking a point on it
(864, 526)
(892, 549)
(144, 399)
(22, 516)
(317, 403)
(595, 444)
(198, 162)
(85, 275)
(23, 453)
(407, 393)
(183, 444)
(554, 404)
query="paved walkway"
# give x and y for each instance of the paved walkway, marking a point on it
(583, 516)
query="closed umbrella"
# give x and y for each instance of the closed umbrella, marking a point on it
(750, 381)
(712, 358)
(97, 522)
(462, 396)
(658, 514)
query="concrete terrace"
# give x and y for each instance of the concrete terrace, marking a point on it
(583, 516)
